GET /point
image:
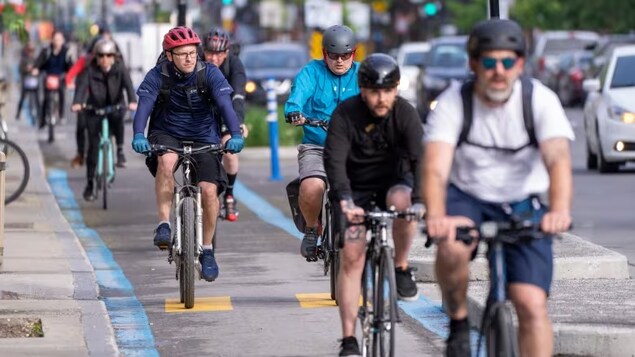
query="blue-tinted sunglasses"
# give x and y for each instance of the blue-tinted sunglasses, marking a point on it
(490, 62)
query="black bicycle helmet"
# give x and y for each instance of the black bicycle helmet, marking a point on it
(496, 34)
(378, 71)
(338, 39)
(217, 40)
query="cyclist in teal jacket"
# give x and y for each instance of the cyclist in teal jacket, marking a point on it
(319, 87)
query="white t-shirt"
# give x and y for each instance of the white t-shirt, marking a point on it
(494, 175)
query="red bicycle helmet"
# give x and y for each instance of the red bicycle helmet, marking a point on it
(180, 36)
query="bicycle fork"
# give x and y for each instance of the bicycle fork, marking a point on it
(105, 141)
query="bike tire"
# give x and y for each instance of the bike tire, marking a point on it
(188, 244)
(385, 303)
(104, 175)
(51, 118)
(500, 334)
(32, 108)
(365, 314)
(17, 171)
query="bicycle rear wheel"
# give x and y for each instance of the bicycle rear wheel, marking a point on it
(385, 303)
(17, 170)
(104, 174)
(188, 243)
(500, 334)
(52, 116)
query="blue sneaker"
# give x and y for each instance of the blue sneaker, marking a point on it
(163, 236)
(209, 268)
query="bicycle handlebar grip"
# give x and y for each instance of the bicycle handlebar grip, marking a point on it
(293, 116)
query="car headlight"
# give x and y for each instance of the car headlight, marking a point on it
(437, 83)
(621, 114)
(250, 87)
(404, 84)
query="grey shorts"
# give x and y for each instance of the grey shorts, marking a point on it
(311, 161)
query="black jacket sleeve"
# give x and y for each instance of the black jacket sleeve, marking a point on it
(238, 80)
(81, 87)
(412, 141)
(336, 148)
(127, 84)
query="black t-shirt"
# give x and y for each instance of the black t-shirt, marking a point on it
(364, 153)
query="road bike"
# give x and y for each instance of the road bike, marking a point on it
(497, 325)
(105, 169)
(16, 170)
(187, 241)
(52, 83)
(378, 314)
(327, 250)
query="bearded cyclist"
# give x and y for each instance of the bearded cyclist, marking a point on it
(217, 52)
(319, 87)
(186, 114)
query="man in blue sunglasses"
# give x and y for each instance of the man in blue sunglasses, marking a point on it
(492, 147)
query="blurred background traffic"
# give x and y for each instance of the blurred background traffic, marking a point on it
(572, 46)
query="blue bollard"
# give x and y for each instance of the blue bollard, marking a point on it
(272, 119)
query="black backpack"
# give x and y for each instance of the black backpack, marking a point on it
(467, 89)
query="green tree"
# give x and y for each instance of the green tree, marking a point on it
(465, 14)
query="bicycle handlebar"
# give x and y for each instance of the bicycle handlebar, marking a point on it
(379, 215)
(187, 149)
(491, 231)
(103, 110)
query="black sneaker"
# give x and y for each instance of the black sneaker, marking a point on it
(308, 248)
(349, 347)
(406, 286)
(121, 159)
(89, 192)
(163, 236)
(458, 344)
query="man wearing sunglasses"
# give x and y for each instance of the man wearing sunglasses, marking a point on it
(319, 87)
(494, 170)
(102, 84)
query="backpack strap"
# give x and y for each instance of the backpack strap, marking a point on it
(166, 83)
(528, 113)
(467, 90)
(201, 82)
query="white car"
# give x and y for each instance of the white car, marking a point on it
(609, 112)
(410, 58)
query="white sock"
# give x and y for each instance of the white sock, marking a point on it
(208, 247)
(168, 222)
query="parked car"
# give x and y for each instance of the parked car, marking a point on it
(549, 45)
(410, 58)
(605, 46)
(609, 112)
(280, 62)
(446, 61)
(572, 69)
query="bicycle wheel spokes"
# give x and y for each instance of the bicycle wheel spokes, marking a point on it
(17, 170)
(385, 306)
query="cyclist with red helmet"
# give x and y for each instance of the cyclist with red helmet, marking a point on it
(185, 113)
(217, 52)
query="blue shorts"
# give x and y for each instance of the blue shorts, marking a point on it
(530, 263)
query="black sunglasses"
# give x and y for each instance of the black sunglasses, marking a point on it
(102, 55)
(335, 56)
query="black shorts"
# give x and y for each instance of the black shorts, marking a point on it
(207, 166)
(530, 263)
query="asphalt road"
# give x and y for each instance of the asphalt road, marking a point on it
(261, 270)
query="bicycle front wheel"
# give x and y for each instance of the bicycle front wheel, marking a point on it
(365, 313)
(188, 244)
(104, 174)
(16, 171)
(501, 334)
(385, 301)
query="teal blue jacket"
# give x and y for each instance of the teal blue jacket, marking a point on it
(316, 91)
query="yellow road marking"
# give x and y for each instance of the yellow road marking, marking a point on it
(309, 301)
(214, 303)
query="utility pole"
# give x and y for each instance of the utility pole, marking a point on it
(499, 9)
(104, 13)
(181, 9)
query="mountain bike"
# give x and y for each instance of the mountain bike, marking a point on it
(497, 325)
(52, 98)
(16, 170)
(187, 241)
(105, 170)
(327, 250)
(378, 314)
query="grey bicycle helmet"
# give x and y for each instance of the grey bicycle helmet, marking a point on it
(378, 71)
(338, 39)
(217, 40)
(105, 47)
(496, 34)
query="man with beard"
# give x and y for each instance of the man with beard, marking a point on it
(371, 158)
(491, 163)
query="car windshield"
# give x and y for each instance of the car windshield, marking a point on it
(452, 56)
(273, 59)
(556, 47)
(414, 58)
(624, 74)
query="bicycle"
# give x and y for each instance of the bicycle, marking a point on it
(187, 241)
(16, 169)
(327, 250)
(497, 326)
(51, 111)
(31, 85)
(378, 318)
(105, 169)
